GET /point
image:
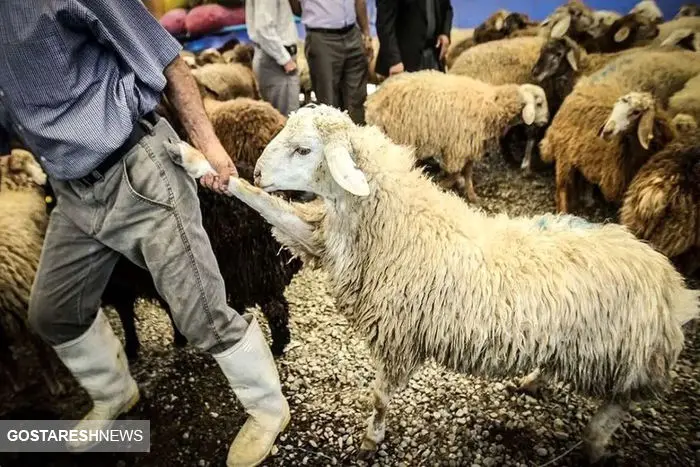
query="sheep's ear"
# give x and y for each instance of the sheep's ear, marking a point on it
(344, 171)
(529, 109)
(499, 24)
(571, 58)
(561, 27)
(645, 130)
(622, 34)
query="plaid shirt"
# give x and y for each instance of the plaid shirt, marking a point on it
(76, 74)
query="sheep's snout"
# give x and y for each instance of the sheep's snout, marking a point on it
(609, 130)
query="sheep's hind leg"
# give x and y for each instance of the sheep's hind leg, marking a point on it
(385, 386)
(532, 383)
(601, 428)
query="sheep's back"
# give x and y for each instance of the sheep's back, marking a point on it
(504, 61)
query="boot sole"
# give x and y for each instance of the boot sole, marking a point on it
(126, 407)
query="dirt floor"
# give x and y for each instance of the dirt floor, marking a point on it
(441, 419)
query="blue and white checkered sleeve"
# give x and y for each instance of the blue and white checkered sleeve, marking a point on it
(131, 30)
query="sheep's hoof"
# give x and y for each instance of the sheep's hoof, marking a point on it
(179, 340)
(367, 450)
(598, 456)
(277, 349)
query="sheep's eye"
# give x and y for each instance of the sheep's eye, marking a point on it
(303, 151)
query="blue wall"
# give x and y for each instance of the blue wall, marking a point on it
(471, 13)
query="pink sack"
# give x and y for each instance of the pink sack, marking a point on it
(204, 19)
(174, 21)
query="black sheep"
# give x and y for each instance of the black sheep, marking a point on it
(254, 269)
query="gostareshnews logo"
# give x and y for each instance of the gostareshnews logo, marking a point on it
(66, 436)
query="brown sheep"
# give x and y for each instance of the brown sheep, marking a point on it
(662, 204)
(244, 120)
(574, 138)
(224, 81)
(241, 53)
(207, 56)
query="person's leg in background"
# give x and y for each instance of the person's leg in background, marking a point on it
(325, 55)
(276, 86)
(355, 76)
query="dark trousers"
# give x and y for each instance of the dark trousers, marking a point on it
(339, 70)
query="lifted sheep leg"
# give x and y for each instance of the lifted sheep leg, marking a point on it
(276, 211)
(385, 386)
(601, 428)
(469, 192)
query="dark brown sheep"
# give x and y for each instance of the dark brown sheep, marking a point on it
(662, 204)
(632, 30)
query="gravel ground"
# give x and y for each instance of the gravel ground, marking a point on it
(441, 419)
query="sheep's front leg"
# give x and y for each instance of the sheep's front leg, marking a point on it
(526, 165)
(274, 210)
(385, 386)
(467, 173)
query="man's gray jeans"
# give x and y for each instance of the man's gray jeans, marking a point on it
(146, 208)
(277, 87)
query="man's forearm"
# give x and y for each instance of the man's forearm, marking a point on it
(362, 18)
(182, 91)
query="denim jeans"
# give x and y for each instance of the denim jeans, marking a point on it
(145, 208)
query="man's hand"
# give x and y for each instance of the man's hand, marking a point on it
(443, 43)
(396, 69)
(367, 44)
(222, 163)
(290, 66)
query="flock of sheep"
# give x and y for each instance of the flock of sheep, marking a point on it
(612, 100)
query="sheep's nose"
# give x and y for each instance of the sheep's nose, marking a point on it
(256, 176)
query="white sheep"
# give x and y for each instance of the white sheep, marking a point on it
(455, 119)
(589, 305)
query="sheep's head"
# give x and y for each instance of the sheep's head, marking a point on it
(535, 109)
(557, 57)
(241, 53)
(497, 21)
(649, 10)
(685, 38)
(312, 153)
(574, 15)
(20, 169)
(189, 58)
(635, 108)
(516, 21)
(690, 9)
(632, 28)
(684, 123)
(210, 55)
(604, 18)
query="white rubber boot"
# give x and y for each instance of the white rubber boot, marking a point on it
(97, 361)
(251, 371)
